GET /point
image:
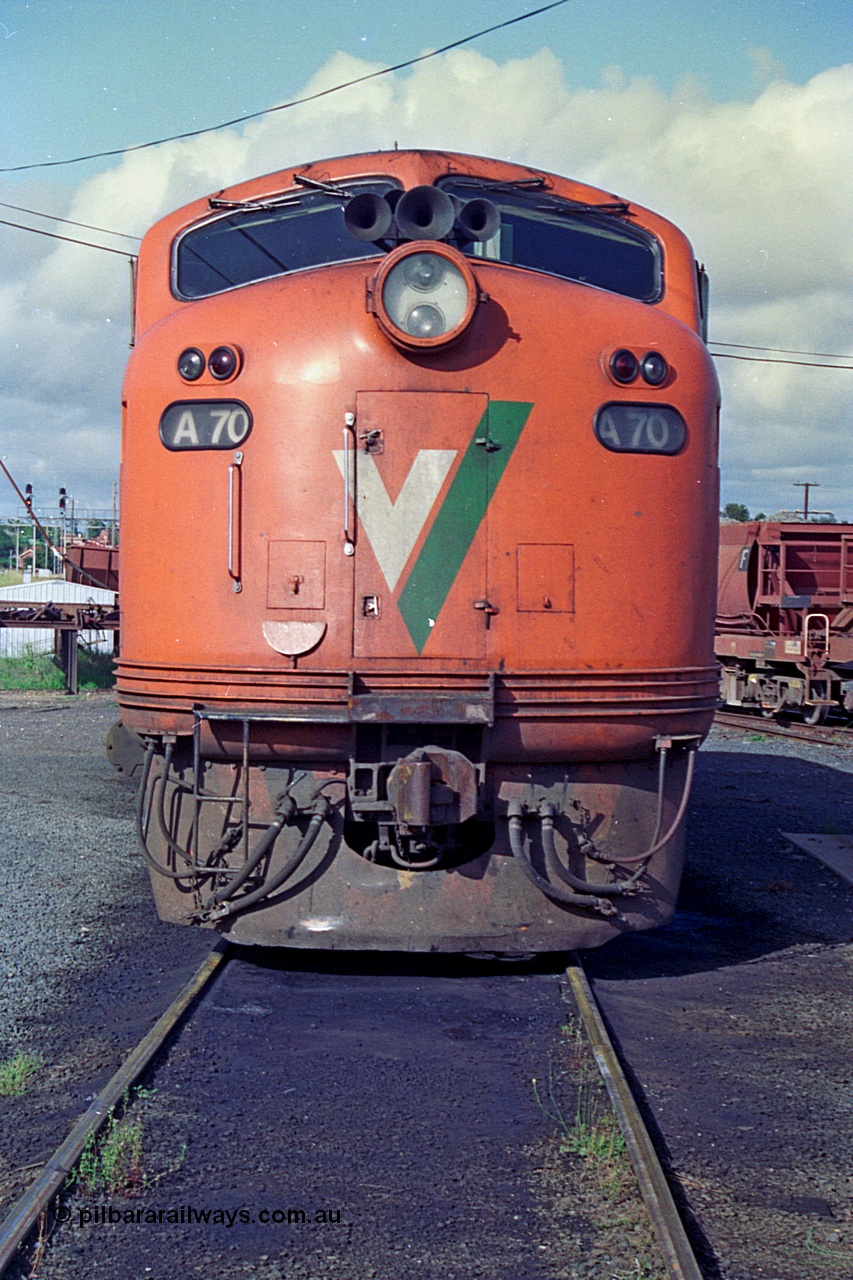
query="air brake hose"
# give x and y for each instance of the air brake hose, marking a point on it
(555, 891)
(285, 814)
(176, 849)
(574, 882)
(150, 860)
(319, 816)
(659, 843)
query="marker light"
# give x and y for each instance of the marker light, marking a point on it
(654, 368)
(424, 298)
(223, 363)
(191, 364)
(624, 366)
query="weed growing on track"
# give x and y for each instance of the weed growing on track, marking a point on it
(593, 1133)
(112, 1159)
(17, 1073)
(825, 1254)
(606, 1193)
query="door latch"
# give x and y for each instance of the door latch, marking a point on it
(487, 609)
(373, 441)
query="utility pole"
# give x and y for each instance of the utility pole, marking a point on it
(806, 486)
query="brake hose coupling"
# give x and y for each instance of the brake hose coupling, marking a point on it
(285, 810)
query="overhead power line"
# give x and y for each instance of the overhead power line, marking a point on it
(54, 217)
(54, 235)
(783, 351)
(294, 102)
(800, 364)
(719, 355)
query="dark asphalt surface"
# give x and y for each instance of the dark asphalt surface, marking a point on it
(398, 1093)
(737, 1018)
(395, 1092)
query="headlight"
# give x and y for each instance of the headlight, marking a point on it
(424, 298)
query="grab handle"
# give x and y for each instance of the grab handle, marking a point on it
(349, 456)
(235, 505)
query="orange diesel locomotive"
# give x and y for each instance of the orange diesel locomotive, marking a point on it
(419, 528)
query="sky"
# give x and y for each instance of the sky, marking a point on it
(734, 118)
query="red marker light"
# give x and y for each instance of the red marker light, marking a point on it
(222, 363)
(624, 366)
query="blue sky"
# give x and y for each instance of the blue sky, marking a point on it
(731, 116)
(88, 75)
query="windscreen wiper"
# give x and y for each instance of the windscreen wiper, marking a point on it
(272, 202)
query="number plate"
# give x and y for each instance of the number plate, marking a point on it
(205, 424)
(640, 428)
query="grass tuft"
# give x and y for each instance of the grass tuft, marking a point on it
(593, 1132)
(16, 1074)
(111, 1160)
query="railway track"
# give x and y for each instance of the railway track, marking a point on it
(824, 734)
(745, 976)
(33, 1206)
(23, 1217)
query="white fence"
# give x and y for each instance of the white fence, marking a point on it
(15, 642)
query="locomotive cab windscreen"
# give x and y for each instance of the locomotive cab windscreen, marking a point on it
(590, 244)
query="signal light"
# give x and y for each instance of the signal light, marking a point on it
(222, 363)
(654, 368)
(191, 364)
(28, 496)
(62, 499)
(624, 366)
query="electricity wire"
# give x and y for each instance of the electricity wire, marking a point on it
(54, 235)
(54, 217)
(800, 364)
(782, 351)
(718, 355)
(294, 102)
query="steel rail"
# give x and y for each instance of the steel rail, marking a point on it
(678, 1255)
(35, 1200)
(839, 736)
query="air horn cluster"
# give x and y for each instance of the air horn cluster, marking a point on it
(424, 213)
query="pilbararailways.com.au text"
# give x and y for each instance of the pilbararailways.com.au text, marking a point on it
(101, 1215)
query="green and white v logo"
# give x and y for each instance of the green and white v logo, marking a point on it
(394, 528)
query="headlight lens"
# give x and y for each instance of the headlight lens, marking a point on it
(408, 282)
(424, 297)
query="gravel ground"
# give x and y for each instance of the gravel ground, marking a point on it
(737, 1018)
(398, 1092)
(730, 1018)
(394, 1110)
(74, 904)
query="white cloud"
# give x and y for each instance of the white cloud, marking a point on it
(763, 188)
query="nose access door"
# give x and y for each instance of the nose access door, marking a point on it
(421, 493)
